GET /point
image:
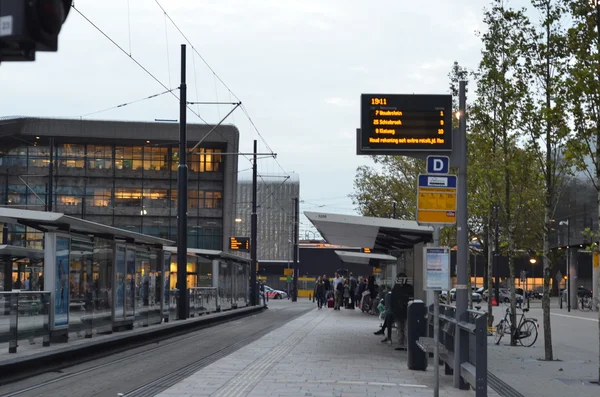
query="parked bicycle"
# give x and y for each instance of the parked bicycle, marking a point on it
(526, 332)
(587, 303)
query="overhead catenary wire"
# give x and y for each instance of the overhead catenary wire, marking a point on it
(130, 103)
(170, 90)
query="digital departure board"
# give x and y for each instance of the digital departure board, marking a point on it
(239, 243)
(391, 123)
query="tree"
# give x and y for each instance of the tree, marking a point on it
(544, 122)
(583, 93)
(502, 87)
(376, 190)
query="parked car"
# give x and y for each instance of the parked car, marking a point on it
(275, 293)
(475, 297)
(504, 295)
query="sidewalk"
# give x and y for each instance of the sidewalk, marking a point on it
(575, 348)
(322, 353)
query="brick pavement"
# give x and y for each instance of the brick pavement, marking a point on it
(322, 353)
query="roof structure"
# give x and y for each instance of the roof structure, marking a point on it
(362, 258)
(378, 234)
(210, 254)
(14, 252)
(56, 221)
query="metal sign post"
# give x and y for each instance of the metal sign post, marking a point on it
(437, 278)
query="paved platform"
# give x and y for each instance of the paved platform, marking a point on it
(322, 353)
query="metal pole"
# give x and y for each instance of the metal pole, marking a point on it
(51, 176)
(436, 325)
(497, 258)
(462, 236)
(182, 192)
(569, 289)
(394, 213)
(253, 231)
(296, 270)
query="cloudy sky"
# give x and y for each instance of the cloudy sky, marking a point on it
(298, 66)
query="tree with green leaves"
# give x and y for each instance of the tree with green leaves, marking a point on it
(583, 94)
(393, 180)
(502, 79)
(544, 124)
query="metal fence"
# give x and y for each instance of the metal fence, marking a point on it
(472, 329)
(24, 316)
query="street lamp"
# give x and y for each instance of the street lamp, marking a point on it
(563, 223)
(533, 261)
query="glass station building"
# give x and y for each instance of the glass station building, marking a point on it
(116, 173)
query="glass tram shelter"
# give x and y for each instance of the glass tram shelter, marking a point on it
(394, 245)
(100, 278)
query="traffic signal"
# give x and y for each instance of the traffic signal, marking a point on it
(27, 26)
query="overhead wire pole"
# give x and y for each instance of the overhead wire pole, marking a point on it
(254, 232)
(461, 344)
(182, 189)
(295, 233)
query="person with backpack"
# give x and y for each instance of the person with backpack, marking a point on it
(402, 293)
(338, 288)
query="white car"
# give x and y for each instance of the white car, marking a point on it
(275, 293)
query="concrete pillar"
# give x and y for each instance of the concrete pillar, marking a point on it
(573, 276)
(418, 277)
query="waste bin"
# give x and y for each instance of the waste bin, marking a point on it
(416, 328)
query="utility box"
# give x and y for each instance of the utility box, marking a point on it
(416, 327)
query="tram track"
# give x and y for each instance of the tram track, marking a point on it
(198, 349)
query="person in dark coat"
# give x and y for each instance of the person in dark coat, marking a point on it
(402, 293)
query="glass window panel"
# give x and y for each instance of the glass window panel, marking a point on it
(128, 197)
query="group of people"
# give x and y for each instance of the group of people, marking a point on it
(366, 294)
(341, 290)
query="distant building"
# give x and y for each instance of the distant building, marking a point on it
(275, 215)
(118, 173)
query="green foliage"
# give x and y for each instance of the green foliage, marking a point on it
(392, 179)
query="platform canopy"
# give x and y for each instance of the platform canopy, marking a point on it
(210, 254)
(56, 221)
(377, 234)
(363, 258)
(14, 252)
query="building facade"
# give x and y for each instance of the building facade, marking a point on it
(275, 213)
(122, 174)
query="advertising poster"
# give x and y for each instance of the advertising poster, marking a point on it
(61, 289)
(120, 284)
(437, 269)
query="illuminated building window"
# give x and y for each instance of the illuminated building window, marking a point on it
(129, 158)
(156, 158)
(128, 197)
(99, 157)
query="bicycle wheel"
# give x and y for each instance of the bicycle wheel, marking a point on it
(527, 333)
(499, 332)
(587, 304)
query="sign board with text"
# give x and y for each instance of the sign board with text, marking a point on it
(240, 244)
(396, 123)
(288, 272)
(436, 268)
(436, 199)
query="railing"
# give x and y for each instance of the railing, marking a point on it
(203, 300)
(24, 315)
(472, 330)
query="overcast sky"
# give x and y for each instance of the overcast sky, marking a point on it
(299, 67)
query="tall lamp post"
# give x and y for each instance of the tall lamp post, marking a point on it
(533, 261)
(563, 223)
